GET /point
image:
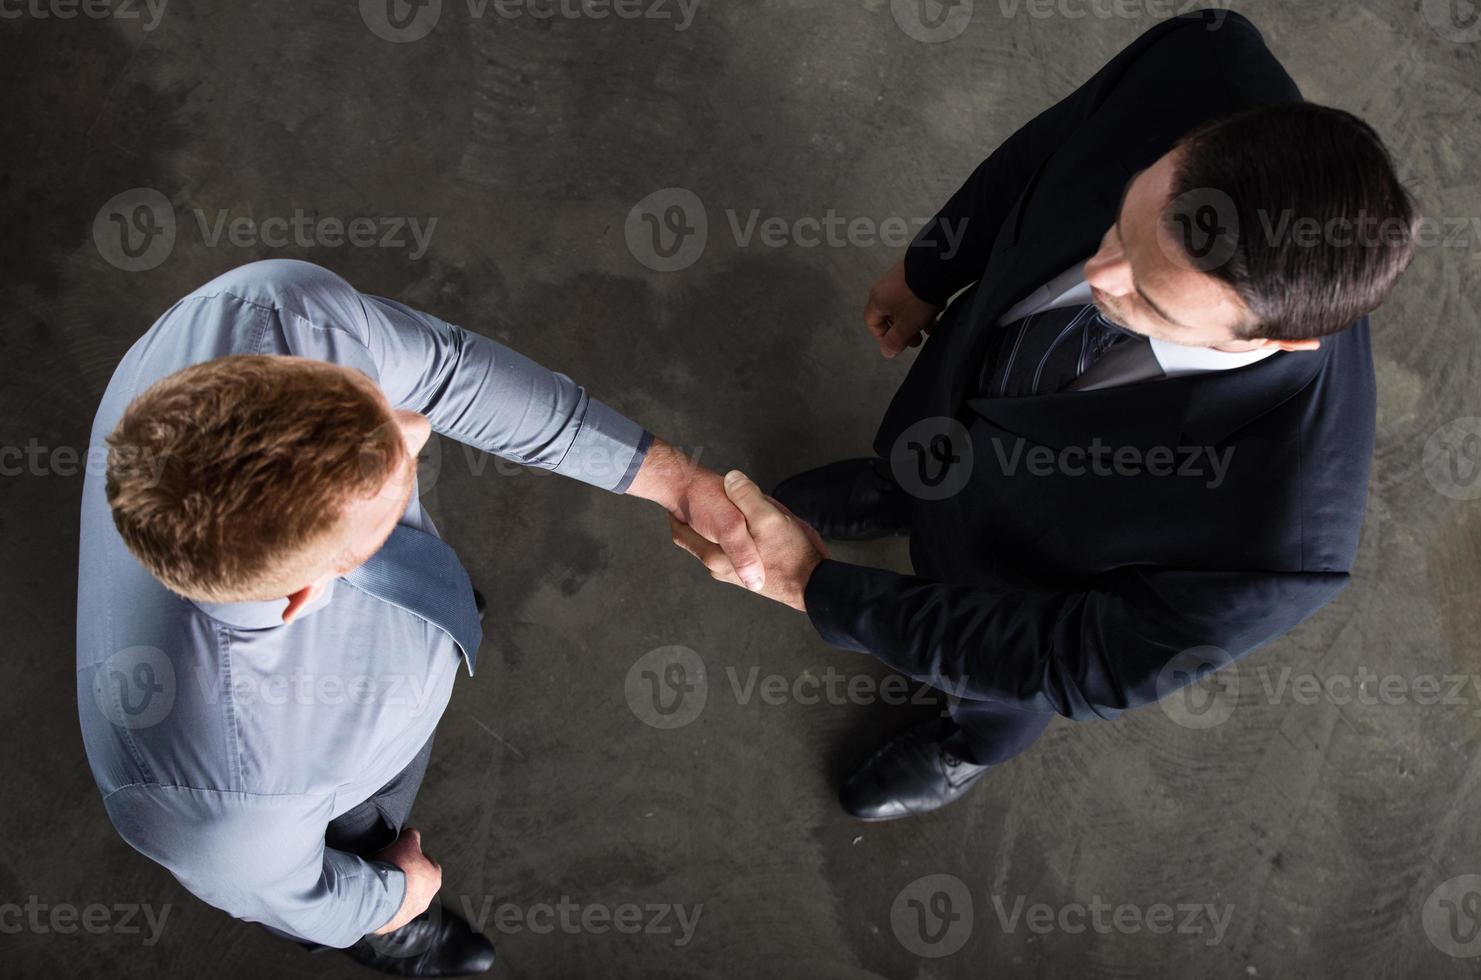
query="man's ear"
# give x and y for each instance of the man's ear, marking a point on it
(302, 598)
(1265, 343)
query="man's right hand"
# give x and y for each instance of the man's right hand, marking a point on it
(423, 877)
(895, 315)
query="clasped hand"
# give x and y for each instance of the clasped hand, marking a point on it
(741, 535)
(789, 549)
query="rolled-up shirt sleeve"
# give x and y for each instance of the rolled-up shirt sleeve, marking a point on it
(260, 858)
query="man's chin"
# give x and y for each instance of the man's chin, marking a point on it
(1111, 317)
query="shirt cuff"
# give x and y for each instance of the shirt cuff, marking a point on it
(395, 882)
(607, 450)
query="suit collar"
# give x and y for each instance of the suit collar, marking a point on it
(1204, 408)
(1198, 409)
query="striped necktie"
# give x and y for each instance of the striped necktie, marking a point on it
(420, 573)
(1048, 351)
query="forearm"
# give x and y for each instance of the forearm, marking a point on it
(663, 476)
(955, 638)
(489, 396)
(1084, 654)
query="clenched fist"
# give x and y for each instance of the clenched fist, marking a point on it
(895, 315)
(423, 877)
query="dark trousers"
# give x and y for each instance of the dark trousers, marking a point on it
(990, 732)
(376, 823)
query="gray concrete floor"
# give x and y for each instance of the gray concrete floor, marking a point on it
(1326, 833)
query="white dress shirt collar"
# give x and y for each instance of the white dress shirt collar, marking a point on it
(1069, 288)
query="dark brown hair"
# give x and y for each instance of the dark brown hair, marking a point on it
(1317, 228)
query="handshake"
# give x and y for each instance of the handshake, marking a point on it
(739, 533)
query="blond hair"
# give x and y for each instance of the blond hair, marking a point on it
(228, 477)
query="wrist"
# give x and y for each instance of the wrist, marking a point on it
(664, 476)
(805, 574)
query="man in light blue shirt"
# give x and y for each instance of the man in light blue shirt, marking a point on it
(268, 626)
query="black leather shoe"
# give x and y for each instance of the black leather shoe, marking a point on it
(915, 772)
(851, 500)
(437, 943)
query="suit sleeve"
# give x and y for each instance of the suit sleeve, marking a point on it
(261, 859)
(951, 250)
(1130, 640)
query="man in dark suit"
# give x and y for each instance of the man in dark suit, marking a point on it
(1136, 444)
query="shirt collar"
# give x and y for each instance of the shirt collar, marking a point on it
(262, 615)
(1177, 359)
(1069, 288)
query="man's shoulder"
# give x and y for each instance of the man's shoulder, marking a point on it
(289, 288)
(276, 306)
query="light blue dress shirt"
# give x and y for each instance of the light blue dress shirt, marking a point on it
(223, 741)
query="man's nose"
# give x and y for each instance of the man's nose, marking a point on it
(1108, 269)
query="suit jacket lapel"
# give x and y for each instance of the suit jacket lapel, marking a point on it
(1063, 231)
(1192, 410)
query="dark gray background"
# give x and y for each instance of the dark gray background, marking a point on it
(1323, 825)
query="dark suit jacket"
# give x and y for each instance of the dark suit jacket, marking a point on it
(1082, 594)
